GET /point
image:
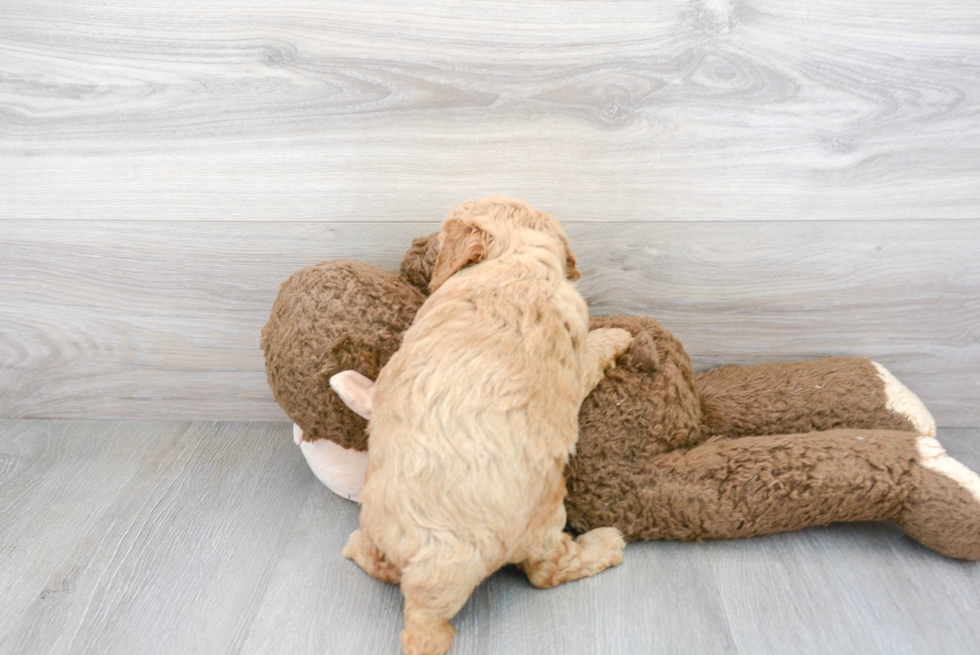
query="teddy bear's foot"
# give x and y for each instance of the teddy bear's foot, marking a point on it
(901, 400)
(341, 469)
(297, 434)
(943, 510)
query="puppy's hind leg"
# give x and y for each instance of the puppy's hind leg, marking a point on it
(365, 554)
(602, 347)
(563, 559)
(434, 593)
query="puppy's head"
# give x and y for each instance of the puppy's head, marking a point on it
(484, 229)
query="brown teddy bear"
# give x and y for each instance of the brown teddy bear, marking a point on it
(663, 453)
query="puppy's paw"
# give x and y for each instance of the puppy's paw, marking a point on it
(366, 555)
(601, 548)
(612, 342)
(565, 559)
(620, 340)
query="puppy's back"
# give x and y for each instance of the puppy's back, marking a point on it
(476, 413)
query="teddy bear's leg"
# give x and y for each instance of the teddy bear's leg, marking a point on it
(728, 488)
(795, 397)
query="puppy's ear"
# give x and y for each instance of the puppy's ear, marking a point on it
(571, 268)
(461, 245)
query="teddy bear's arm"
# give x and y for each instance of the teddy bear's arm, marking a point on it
(823, 394)
(729, 488)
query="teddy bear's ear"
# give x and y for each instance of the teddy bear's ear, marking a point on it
(417, 265)
(571, 268)
(356, 391)
(461, 246)
(642, 354)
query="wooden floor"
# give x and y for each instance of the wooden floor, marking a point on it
(191, 537)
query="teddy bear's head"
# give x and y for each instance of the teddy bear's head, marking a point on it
(332, 317)
(344, 315)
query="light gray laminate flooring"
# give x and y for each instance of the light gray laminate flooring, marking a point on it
(191, 537)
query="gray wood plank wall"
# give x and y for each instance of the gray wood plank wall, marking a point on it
(772, 180)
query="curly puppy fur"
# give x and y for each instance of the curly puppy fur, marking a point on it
(475, 417)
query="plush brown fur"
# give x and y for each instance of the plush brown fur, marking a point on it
(328, 318)
(796, 397)
(419, 261)
(665, 453)
(759, 485)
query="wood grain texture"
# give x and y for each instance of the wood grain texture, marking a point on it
(392, 111)
(180, 558)
(313, 580)
(156, 319)
(58, 482)
(216, 538)
(673, 607)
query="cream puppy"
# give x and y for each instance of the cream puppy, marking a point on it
(475, 417)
